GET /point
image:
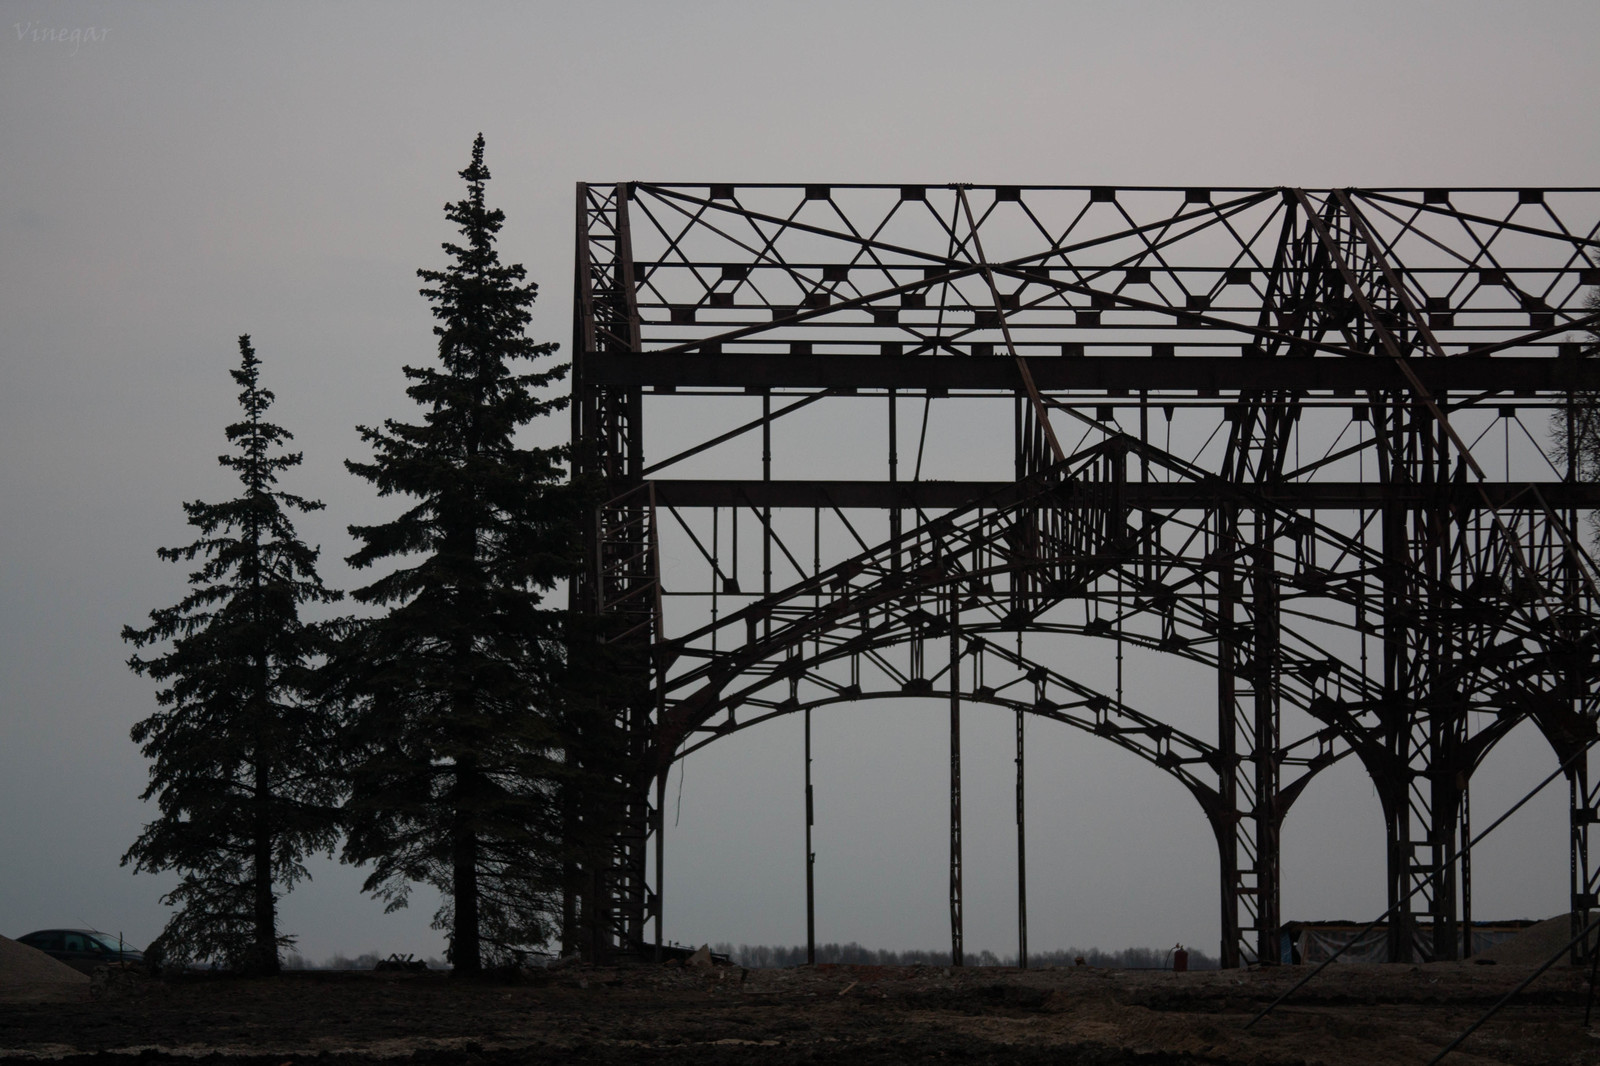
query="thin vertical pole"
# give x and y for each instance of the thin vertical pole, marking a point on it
(716, 566)
(957, 953)
(661, 854)
(767, 509)
(1144, 434)
(811, 858)
(894, 440)
(1022, 858)
(1579, 797)
(894, 475)
(1466, 872)
(1021, 462)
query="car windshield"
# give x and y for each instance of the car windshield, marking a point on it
(108, 943)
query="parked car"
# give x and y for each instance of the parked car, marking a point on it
(83, 949)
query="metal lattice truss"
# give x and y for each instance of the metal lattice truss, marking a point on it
(1311, 443)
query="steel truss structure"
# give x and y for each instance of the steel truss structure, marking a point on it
(1256, 430)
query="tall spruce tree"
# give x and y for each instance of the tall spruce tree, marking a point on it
(452, 690)
(241, 759)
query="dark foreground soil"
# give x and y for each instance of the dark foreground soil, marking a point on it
(827, 1014)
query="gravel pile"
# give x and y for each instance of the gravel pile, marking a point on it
(1535, 944)
(29, 974)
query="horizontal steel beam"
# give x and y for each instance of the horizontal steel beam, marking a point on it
(1431, 194)
(1119, 373)
(941, 495)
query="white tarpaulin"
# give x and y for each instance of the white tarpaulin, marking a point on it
(1315, 942)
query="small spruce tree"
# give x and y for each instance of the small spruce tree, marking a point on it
(241, 759)
(451, 692)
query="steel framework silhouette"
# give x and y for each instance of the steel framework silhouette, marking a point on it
(1314, 443)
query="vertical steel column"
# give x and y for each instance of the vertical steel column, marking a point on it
(1426, 714)
(1465, 852)
(1264, 742)
(894, 476)
(1584, 802)
(1452, 928)
(1247, 817)
(1444, 710)
(1225, 823)
(1581, 801)
(1396, 789)
(661, 853)
(607, 894)
(766, 510)
(580, 598)
(957, 950)
(1578, 880)
(1435, 762)
(1022, 857)
(811, 858)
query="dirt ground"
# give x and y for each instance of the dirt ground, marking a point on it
(860, 1015)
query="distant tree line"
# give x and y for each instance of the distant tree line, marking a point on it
(763, 956)
(431, 735)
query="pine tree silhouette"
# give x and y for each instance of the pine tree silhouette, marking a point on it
(241, 757)
(451, 691)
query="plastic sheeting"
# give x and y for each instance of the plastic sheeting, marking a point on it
(1316, 942)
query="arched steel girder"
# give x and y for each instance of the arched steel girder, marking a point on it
(1171, 750)
(869, 601)
(1063, 538)
(1056, 697)
(1072, 703)
(1024, 687)
(1048, 695)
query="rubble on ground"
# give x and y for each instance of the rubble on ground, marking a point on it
(674, 1014)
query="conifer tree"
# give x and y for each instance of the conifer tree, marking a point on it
(241, 759)
(451, 691)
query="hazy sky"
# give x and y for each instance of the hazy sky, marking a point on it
(173, 175)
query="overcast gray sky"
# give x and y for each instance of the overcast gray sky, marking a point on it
(175, 174)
